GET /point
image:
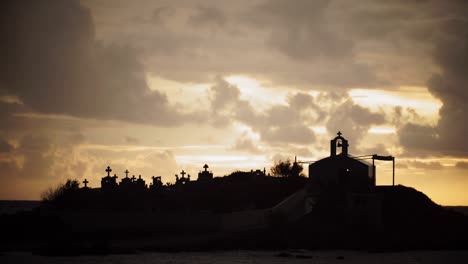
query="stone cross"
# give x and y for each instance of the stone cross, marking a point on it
(183, 173)
(126, 173)
(133, 178)
(85, 183)
(205, 167)
(108, 170)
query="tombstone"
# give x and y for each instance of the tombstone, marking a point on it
(182, 180)
(108, 183)
(205, 176)
(157, 183)
(108, 170)
(126, 183)
(85, 183)
(258, 173)
(140, 184)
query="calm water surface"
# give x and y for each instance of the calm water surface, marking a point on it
(261, 257)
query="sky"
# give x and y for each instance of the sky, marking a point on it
(157, 87)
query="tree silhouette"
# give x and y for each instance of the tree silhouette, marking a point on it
(286, 168)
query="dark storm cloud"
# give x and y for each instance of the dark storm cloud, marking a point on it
(299, 30)
(420, 137)
(246, 144)
(462, 165)
(353, 121)
(5, 146)
(8, 122)
(37, 159)
(53, 64)
(451, 87)
(300, 151)
(426, 43)
(382, 20)
(297, 133)
(314, 43)
(277, 124)
(223, 94)
(282, 115)
(295, 43)
(224, 97)
(37, 156)
(207, 16)
(160, 14)
(310, 44)
(289, 123)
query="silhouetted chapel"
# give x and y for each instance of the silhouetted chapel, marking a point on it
(341, 170)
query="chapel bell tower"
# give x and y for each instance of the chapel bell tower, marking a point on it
(339, 142)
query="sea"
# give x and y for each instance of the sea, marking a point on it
(251, 257)
(12, 207)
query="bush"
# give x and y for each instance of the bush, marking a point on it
(59, 192)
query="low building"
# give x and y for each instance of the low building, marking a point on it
(342, 170)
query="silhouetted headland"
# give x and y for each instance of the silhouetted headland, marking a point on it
(338, 207)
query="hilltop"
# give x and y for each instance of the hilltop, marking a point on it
(235, 192)
(410, 220)
(338, 207)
